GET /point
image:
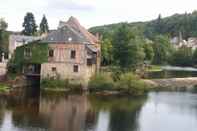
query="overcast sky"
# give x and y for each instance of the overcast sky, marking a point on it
(91, 12)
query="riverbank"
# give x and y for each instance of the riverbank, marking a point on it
(189, 83)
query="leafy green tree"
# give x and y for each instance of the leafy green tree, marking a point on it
(44, 28)
(4, 37)
(159, 25)
(162, 50)
(29, 24)
(194, 58)
(182, 57)
(148, 50)
(107, 53)
(127, 51)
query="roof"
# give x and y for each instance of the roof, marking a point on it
(73, 24)
(92, 47)
(23, 38)
(65, 34)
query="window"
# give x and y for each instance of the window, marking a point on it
(73, 54)
(54, 69)
(51, 53)
(27, 52)
(75, 68)
(89, 62)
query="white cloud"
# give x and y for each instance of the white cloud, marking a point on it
(91, 12)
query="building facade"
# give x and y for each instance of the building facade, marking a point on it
(73, 53)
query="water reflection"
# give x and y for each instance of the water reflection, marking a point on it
(62, 112)
(164, 111)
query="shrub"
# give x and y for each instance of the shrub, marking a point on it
(101, 82)
(131, 84)
(54, 83)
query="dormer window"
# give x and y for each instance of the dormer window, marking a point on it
(73, 54)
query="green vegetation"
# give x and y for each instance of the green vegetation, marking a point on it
(4, 88)
(182, 57)
(101, 82)
(4, 37)
(127, 83)
(59, 85)
(170, 26)
(29, 24)
(127, 49)
(36, 53)
(153, 68)
(162, 50)
(44, 28)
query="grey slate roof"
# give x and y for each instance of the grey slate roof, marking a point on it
(65, 34)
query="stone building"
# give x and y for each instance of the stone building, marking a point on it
(73, 53)
(16, 40)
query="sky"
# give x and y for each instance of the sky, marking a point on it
(91, 12)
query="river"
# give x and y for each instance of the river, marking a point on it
(158, 111)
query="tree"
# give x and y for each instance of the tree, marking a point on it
(44, 28)
(182, 57)
(29, 24)
(194, 58)
(159, 25)
(3, 24)
(148, 50)
(107, 53)
(127, 51)
(4, 37)
(162, 49)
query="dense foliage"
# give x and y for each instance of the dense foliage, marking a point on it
(182, 57)
(171, 26)
(162, 50)
(4, 37)
(39, 54)
(29, 24)
(127, 83)
(44, 28)
(127, 49)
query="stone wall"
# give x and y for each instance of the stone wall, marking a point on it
(62, 66)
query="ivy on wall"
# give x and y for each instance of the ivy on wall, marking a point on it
(38, 51)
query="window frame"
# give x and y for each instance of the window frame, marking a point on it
(51, 53)
(75, 68)
(73, 54)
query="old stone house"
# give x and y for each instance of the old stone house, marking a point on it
(72, 53)
(16, 40)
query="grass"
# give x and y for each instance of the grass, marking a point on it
(154, 68)
(4, 88)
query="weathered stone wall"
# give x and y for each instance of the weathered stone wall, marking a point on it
(63, 71)
(62, 53)
(64, 64)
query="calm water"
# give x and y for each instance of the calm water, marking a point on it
(163, 111)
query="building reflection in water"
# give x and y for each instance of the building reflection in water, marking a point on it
(65, 113)
(61, 112)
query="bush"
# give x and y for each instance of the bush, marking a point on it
(101, 82)
(54, 83)
(131, 84)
